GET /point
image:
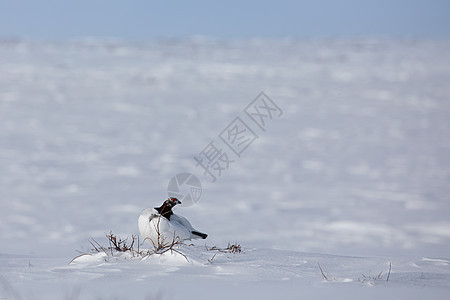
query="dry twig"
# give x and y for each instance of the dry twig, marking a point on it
(231, 248)
(389, 273)
(323, 274)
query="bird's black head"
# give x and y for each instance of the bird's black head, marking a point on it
(171, 202)
(166, 208)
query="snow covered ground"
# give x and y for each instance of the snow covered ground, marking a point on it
(357, 167)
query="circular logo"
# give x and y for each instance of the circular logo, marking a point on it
(186, 187)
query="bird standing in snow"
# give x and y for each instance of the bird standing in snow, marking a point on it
(159, 226)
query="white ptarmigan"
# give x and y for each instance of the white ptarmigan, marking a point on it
(160, 226)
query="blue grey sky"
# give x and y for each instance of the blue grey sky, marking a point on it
(146, 20)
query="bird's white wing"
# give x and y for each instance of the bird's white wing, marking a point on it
(182, 221)
(156, 229)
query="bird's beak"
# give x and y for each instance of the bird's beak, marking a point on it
(179, 202)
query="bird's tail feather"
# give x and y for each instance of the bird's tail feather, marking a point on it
(202, 235)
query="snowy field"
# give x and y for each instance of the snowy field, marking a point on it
(352, 176)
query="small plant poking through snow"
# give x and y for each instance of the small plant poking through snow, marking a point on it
(372, 279)
(231, 248)
(234, 248)
(325, 277)
(368, 279)
(117, 247)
